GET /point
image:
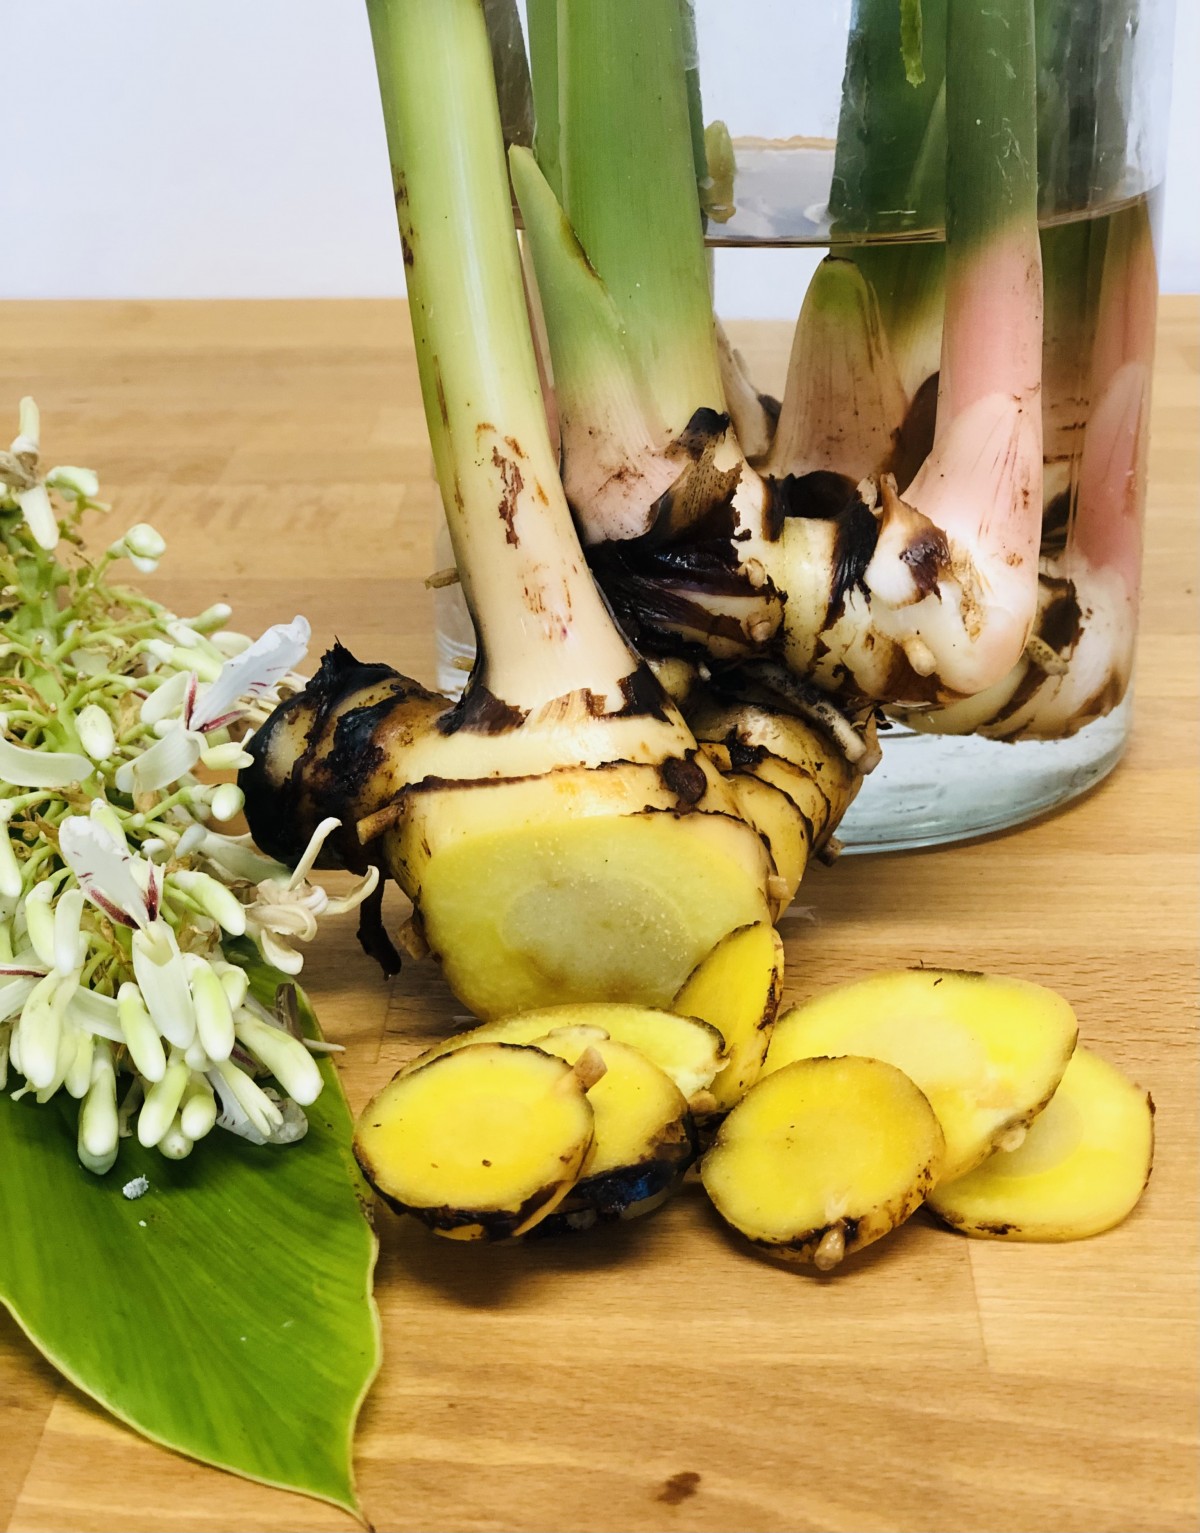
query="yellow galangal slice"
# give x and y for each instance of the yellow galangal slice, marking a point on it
(688, 1050)
(987, 1052)
(1081, 1168)
(643, 1138)
(737, 987)
(824, 1157)
(479, 1144)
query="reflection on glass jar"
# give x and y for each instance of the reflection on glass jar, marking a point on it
(834, 139)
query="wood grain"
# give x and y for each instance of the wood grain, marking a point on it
(658, 1376)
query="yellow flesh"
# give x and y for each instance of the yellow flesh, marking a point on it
(486, 1129)
(736, 988)
(776, 818)
(1080, 1169)
(821, 1142)
(637, 1108)
(988, 1053)
(599, 908)
(687, 1050)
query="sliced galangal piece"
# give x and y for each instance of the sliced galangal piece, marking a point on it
(1080, 1170)
(481, 1143)
(987, 1052)
(824, 1157)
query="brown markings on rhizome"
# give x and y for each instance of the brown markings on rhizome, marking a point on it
(513, 482)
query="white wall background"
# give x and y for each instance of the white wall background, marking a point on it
(234, 149)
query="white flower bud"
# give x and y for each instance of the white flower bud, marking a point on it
(96, 732)
(70, 945)
(213, 898)
(234, 981)
(98, 1122)
(40, 1029)
(284, 1056)
(214, 1019)
(78, 1076)
(159, 968)
(29, 427)
(76, 483)
(198, 1114)
(175, 1144)
(11, 882)
(39, 922)
(212, 618)
(162, 1102)
(141, 1036)
(226, 758)
(227, 801)
(142, 546)
(192, 838)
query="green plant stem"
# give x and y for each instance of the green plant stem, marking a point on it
(992, 337)
(542, 20)
(888, 127)
(629, 189)
(518, 557)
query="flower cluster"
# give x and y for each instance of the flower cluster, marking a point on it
(120, 899)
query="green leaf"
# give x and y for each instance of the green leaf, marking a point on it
(227, 1313)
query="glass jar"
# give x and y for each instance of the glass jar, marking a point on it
(820, 142)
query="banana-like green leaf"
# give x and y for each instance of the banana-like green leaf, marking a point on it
(226, 1313)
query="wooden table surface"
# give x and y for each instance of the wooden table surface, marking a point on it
(658, 1376)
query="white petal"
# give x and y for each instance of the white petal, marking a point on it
(39, 515)
(295, 1123)
(312, 851)
(355, 897)
(160, 764)
(227, 757)
(159, 967)
(284, 958)
(245, 1106)
(237, 855)
(24, 768)
(104, 868)
(253, 672)
(15, 990)
(169, 699)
